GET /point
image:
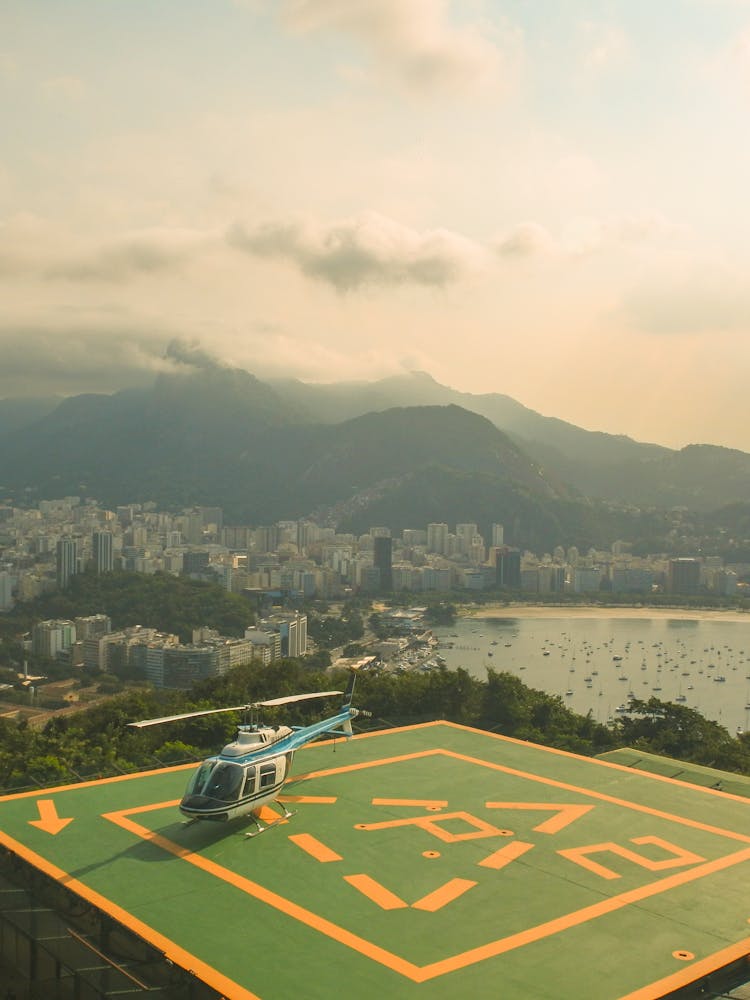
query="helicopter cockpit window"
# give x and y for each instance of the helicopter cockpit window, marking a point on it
(200, 777)
(225, 782)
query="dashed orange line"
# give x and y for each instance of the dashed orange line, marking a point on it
(314, 847)
(505, 855)
(376, 892)
(436, 900)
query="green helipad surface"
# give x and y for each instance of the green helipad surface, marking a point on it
(428, 862)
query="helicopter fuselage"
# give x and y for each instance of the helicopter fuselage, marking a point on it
(251, 771)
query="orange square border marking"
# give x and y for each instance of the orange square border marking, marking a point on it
(419, 974)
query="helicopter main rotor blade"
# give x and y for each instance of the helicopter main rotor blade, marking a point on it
(186, 715)
(294, 697)
(233, 708)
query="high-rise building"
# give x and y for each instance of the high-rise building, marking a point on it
(67, 561)
(684, 576)
(6, 590)
(437, 538)
(52, 637)
(508, 568)
(383, 561)
(465, 534)
(498, 534)
(103, 551)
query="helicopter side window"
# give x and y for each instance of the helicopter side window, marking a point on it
(249, 786)
(225, 782)
(267, 774)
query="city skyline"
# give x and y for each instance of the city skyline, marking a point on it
(542, 201)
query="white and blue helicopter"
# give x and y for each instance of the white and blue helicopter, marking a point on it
(251, 770)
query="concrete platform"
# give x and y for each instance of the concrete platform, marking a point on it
(434, 861)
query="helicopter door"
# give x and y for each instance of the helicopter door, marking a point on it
(249, 786)
(268, 774)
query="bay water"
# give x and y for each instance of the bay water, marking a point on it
(595, 664)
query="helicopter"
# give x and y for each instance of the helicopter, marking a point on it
(251, 770)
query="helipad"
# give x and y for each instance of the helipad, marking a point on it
(430, 862)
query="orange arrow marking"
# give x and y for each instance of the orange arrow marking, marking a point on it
(48, 820)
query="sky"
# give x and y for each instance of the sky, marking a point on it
(541, 198)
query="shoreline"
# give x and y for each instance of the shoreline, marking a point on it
(560, 612)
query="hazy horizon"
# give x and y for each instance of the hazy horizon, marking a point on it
(545, 201)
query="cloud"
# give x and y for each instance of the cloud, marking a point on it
(191, 354)
(367, 250)
(69, 359)
(527, 239)
(412, 40)
(582, 236)
(135, 254)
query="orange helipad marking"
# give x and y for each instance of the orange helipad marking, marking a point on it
(48, 820)
(314, 847)
(681, 857)
(566, 814)
(472, 956)
(433, 826)
(505, 855)
(378, 893)
(224, 985)
(259, 892)
(436, 900)
(268, 815)
(417, 803)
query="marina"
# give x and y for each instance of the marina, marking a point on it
(596, 664)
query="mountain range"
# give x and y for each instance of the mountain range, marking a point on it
(400, 451)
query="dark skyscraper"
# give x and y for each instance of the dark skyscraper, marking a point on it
(508, 568)
(103, 551)
(383, 561)
(67, 561)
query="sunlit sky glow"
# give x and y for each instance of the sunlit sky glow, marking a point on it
(544, 198)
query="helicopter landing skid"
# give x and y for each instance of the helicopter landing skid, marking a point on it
(260, 828)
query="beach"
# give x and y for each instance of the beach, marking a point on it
(561, 612)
